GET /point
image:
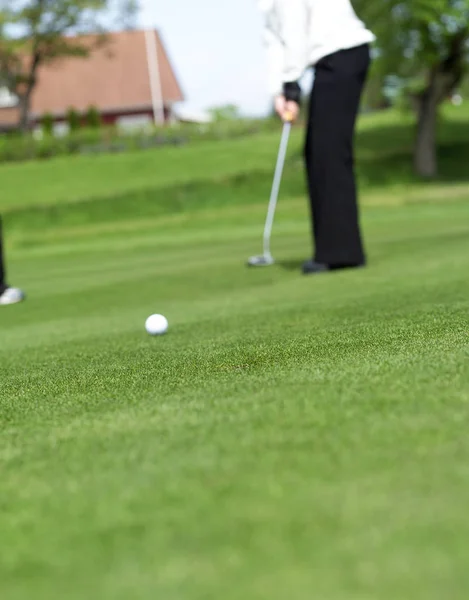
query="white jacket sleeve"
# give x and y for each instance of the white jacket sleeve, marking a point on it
(285, 36)
(275, 61)
(293, 20)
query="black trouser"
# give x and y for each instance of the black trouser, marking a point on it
(2, 264)
(333, 111)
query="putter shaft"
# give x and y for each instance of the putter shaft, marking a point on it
(276, 188)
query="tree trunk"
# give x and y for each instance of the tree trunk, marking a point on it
(443, 79)
(25, 106)
(25, 96)
(425, 153)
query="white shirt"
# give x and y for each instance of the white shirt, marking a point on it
(298, 33)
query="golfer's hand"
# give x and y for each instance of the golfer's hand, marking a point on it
(286, 109)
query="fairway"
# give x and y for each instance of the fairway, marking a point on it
(289, 437)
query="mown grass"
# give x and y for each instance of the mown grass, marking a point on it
(288, 437)
(70, 179)
(86, 190)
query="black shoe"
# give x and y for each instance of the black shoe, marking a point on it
(311, 267)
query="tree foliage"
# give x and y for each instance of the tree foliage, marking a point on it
(424, 42)
(37, 32)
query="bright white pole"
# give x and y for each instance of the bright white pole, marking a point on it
(154, 75)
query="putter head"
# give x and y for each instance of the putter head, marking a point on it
(264, 260)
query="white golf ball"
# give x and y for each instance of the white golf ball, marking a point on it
(156, 325)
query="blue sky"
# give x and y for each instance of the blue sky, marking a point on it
(203, 38)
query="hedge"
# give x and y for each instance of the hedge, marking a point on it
(15, 147)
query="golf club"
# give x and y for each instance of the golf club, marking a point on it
(266, 259)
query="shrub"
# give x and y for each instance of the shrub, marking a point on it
(93, 118)
(73, 119)
(16, 148)
(47, 124)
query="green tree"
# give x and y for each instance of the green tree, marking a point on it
(464, 88)
(374, 97)
(35, 32)
(425, 42)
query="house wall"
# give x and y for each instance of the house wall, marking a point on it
(8, 118)
(127, 120)
(137, 116)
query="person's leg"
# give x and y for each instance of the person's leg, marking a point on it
(333, 110)
(2, 263)
(308, 159)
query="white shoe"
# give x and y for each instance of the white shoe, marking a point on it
(11, 296)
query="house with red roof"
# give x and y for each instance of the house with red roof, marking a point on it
(128, 78)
